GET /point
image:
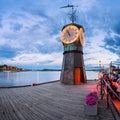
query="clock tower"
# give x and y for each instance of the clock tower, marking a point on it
(72, 38)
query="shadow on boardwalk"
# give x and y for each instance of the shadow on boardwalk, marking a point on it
(52, 101)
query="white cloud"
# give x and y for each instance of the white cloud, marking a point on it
(32, 31)
(52, 59)
(94, 49)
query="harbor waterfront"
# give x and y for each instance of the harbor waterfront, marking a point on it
(30, 77)
(52, 101)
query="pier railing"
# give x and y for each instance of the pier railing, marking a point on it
(113, 103)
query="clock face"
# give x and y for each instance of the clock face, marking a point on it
(69, 34)
(81, 37)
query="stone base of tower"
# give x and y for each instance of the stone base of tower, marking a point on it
(73, 71)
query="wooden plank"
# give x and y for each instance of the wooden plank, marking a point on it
(5, 107)
(1, 109)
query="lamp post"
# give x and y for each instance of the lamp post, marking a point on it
(100, 79)
(100, 65)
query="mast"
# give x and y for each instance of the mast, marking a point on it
(72, 15)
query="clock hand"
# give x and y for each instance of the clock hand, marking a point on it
(68, 33)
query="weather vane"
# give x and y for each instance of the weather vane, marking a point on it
(72, 15)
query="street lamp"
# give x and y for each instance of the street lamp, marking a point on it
(100, 78)
(99, 65)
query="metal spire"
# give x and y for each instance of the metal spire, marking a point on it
(72, 15)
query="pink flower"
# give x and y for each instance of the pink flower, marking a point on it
(92, 98)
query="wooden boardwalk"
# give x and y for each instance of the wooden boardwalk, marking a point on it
(52, 101)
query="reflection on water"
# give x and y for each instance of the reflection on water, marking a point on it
(27, 78)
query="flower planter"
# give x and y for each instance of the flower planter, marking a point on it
(91, 104)
(90, 109)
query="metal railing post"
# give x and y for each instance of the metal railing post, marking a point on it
(107, 96)
(101, 91)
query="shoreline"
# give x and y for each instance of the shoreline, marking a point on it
(36, 84)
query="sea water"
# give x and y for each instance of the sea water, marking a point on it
(30, 77)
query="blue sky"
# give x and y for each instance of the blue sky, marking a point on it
(30, 31)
